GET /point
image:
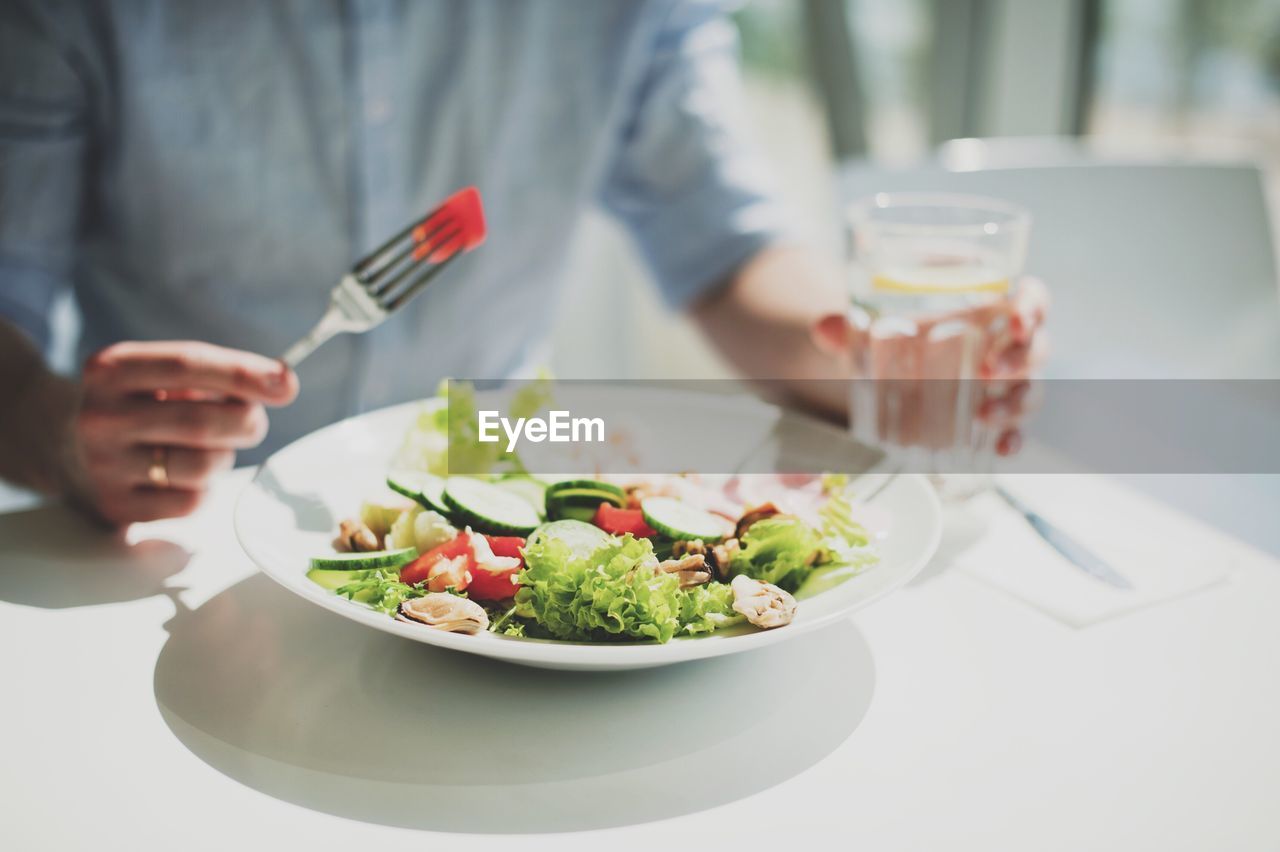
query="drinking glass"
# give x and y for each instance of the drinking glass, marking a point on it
(928, 275)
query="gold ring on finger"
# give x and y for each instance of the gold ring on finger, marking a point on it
(158, 470)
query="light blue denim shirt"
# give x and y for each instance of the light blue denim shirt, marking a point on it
(207, 170)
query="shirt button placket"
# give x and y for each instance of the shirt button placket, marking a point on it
(377, 161)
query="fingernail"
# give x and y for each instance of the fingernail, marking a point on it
(275, 380)
(1009, 443)
(830, 334)
(1021, 327)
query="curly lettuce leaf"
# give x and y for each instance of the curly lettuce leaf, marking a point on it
(779, 550)
(504, 621)
(426, 444)
(466, 452)
(451, 431)
(847, 549)
(381, 590)
(613, 593)
(838, 526)
(514, 628)
(706, 608)
(826, 577)
(834, 483)
(465, 449)
(531, 397)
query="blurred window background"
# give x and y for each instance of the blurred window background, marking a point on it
(1204, 72)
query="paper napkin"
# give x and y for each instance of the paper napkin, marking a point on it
(1162, 553)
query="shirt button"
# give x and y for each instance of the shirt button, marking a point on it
(378, 111)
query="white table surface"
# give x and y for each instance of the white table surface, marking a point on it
(161, 694)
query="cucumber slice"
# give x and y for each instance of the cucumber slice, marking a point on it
(365, 561)
(675, 519)
(407, 482)
(583, 538)
(558, 511)
(531, 490)
(579, 503)
(426, 489)
(332, 579)
(584, 496)
(587, 484)
(433, 495)
(486, 507)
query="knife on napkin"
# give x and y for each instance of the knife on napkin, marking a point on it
(1073, 551)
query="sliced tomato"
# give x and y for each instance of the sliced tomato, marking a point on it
(621, 521)
(487, 585)
(419, 570)
(506, 545)
(494, 568)
(449, 574)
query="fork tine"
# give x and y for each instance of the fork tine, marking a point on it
(418, 283)
(365, 262)
(369, 278)
(382, 289)
(362, 266)
(375, 285)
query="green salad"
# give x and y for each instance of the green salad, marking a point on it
(585, 559)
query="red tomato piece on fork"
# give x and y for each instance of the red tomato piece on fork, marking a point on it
(457, 226)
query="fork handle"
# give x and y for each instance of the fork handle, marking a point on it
(329, 325)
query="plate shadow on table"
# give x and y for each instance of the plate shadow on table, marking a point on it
(324, 713)
(56, 558)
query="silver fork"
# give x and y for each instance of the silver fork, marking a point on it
(383, 281)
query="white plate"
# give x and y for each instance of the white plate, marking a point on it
(290, 511)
